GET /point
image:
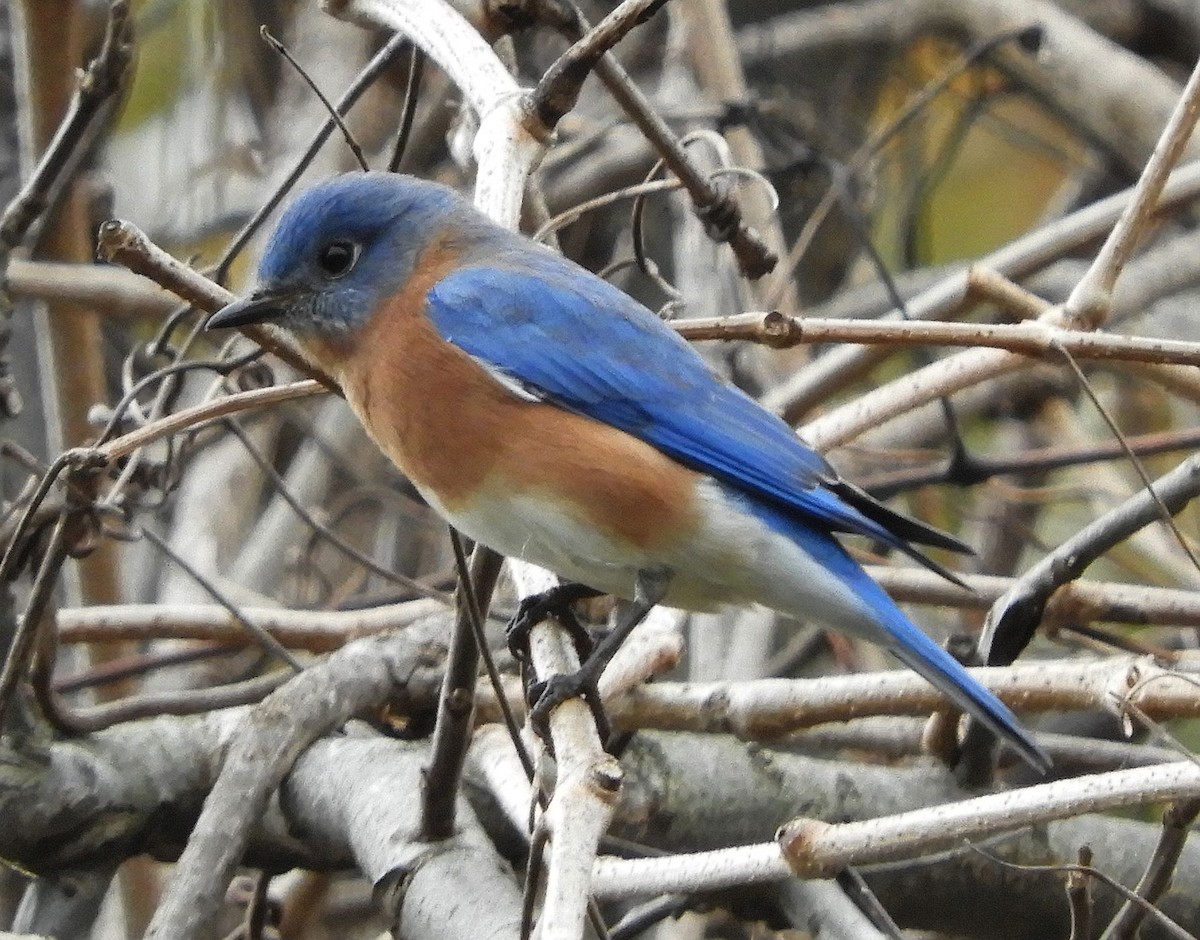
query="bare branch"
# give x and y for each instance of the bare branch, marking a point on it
(267, 744)
(1015, 261)
(1037, 340)
(1014, 618)
(765, 709)
(816, 849)
(1089, 304)
(124, 243)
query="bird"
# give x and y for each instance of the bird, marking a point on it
(546, 414)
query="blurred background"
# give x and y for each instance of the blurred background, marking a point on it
(902, 139)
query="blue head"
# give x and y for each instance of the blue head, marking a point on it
(340, 250)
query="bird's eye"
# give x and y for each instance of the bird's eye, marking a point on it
(337, 258)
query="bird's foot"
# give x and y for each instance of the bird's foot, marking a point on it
(556, 602)
(547, 695)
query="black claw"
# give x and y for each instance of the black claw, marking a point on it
(556, 603)
(545, 696)
(650, 588)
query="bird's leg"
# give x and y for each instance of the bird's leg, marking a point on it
(556, 602)
(649, 588)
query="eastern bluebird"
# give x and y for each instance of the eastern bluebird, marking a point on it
(549, 416)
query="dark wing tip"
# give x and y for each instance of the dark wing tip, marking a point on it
(905, 528)
(925, 561)
(1033, 753)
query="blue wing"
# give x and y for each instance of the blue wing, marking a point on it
(553, 329)
(581, 343)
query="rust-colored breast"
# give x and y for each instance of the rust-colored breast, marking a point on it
(458, 433)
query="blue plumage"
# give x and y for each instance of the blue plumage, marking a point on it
(901, 637)
(350, 248)
(530, 316)
(587, 346)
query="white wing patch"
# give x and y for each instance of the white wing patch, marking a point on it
(509, 382)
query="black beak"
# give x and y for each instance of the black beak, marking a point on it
(259, 307)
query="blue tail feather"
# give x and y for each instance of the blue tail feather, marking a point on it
(920, 654)
(900, 636)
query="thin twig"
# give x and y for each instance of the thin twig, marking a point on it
(24, 643)
(94, 96)
(1089, 303)
(366, 78)
(408, 113)
(1079, 896)
(1014, 618)
(984, 468)
(139, 664)
(119, 413)
(72, 459)
(263, 637)
(1173, 929)
(1138, 467)
(308, 80)
(124, 243)
(456, 703)
(991, 286)
(571, 215)
(190, 418)
(1176, 825)
(640, 918)
(716, 207)
(325, 533)
(1034, 339)
(558, 89)
(90, 719)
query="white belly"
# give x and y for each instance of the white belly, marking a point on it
(535, 530)
(732, 558)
